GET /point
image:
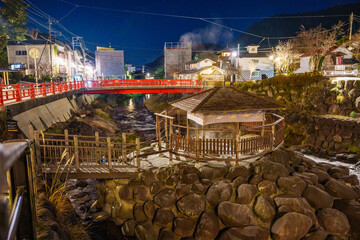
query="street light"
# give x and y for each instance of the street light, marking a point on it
(271, 57)
(234, 54)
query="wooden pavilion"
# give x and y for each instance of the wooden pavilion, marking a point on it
(222, 124)
(5, 76)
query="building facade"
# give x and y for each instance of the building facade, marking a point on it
(60, 61)
(176, 54)
(110, 63)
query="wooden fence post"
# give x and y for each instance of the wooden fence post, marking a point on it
(158, 132)
(197, 165)
(171, 143)
(76, 147)
(31, 132)
(138, 153)
(273, 137)
(237, 145)
(166, 132)
(108, 139)
(66, 135)
(37, 149)
(124, 147)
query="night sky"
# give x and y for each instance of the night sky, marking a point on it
(142, 36)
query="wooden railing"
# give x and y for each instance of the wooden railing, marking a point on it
(21, 92)
(88, 152)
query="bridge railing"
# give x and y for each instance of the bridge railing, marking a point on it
(21, 92)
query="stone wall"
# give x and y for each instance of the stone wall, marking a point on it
(283, 195)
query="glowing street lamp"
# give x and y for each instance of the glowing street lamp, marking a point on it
(271, 57)
(234, 54)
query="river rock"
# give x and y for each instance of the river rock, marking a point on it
(182, 189)
(291, 226)
(229, 214)
(351, 209)
(124, 192)
(322, 175)
(124, 210)
(149, 209)
(172, 181)
(280, 156)
(141, 194)
(264, 208)
(292, 184)
(317, 197)
(339, 169)
(245, 233)
(148, 177)
(265, 166)
(165, 198)
(163, 217)
(184, 227)
(333, 221)
(219, 192)
(212, 172)
(189, 178)
(352, 179)
(146, 231)
(167, 234)
(139, 212)
(199, 188)
(238, 171)
(267, 187)
(317, 234)
(128, 228)
(292, 203)
(208, 226)
(192, 204)
(162, 173)
(340, 190)
(238, 181)
(245, 193)
(156, 187)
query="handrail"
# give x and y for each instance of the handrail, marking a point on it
(15, 213)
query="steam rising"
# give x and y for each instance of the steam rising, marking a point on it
(209, 34)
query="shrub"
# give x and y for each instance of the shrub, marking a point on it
(352, 114)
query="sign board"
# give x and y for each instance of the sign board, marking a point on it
(12, 126)
(34, 53)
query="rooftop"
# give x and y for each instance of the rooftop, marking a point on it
(224, 99)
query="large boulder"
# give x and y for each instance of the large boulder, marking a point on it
(146, 231)
(167, 234)
(165, 198)
(292, 203)
(265, 166)
(211, 171)
(184, 227)
(333, 221)
(182, 189)
(245, 193)
(163, 217)
(291, 226)
(189, 178)
(229, 214)
(340, 190)
(281, 156)
(219, 192)
(128, 228)
(264, 208)
(292, 184)
(245, 233)
(351, 209)
(148, 178)
(208, 226)
(238, 171)
(149, 209)
(192, 205)
(124, 193)
(317, 197)
(139, 212)
(141, 194)
(156, 187)
(267, 187)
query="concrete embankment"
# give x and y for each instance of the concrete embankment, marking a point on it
(42, 113)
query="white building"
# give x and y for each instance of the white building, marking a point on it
(254, 64)
(62, 61)
(110, 63)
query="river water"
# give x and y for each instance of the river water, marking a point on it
(132, 116)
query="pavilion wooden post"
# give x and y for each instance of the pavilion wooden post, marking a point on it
(158, 132)
(197, 165)
(178, 116)
(203, 140)
(97, 144)
(187, 128)
(138, 153)
(124, 157)
(237, 143)
(263, 128)
(166, 131)
(108, 139)
(171, 142)
(76, 147)
(37, 148)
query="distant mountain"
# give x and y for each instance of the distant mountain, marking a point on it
(201, 50)
(284, 27)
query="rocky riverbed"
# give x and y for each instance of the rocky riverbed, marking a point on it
(283, 195)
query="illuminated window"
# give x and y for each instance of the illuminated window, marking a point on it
(21, 53)
(255, 74)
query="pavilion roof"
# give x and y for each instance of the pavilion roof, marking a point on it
(224, 99)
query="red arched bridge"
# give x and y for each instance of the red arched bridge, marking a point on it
(22, 92)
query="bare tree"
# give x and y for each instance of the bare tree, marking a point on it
(317, 42)
(355, 45)
(285, 56)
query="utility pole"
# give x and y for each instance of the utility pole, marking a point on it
(351, 24)
(51, 65)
